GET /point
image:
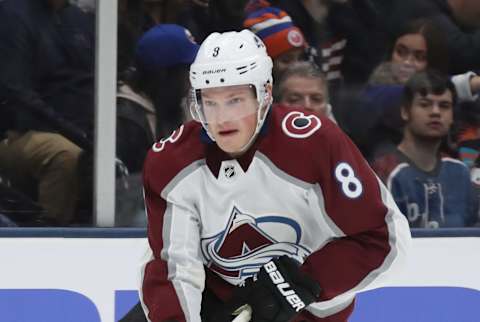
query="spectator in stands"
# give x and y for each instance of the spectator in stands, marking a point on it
(18, 208)
(431, 190)
(203, 17)
(131, 19)
(303, 84)
(373, 117)
(135, 17)
(163, 11)
(468, 136)
(149, 103)
(468, 141)
(284, 41)
(46, 92)
(86, 5)
(345, 37)
(416, 47)
(458, 20)
(6, 222)
(374, 120)
(468, 130)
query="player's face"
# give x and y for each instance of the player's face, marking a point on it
(409, 56)
(307, 92)
(231, 115)
(429, 117)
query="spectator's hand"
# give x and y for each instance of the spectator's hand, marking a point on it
(475, 84)
(201, 3)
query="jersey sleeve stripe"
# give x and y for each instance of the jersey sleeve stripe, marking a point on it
(397, 226)
(187, 278)
(147, 258)
(181, 176)
(171, 285)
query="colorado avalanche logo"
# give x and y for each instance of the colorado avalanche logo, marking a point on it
(298, 125)
(244, 246)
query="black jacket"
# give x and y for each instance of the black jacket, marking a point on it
(47, 68)
(136, 123)
(463, 42)
(358, 22)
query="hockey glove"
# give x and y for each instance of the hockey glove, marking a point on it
(215, 310)
(279, 292)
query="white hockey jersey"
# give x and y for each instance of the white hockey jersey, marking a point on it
(302, 190)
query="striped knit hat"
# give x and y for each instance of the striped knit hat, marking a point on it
(274, 26)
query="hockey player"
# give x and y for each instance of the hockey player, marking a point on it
(270, 207)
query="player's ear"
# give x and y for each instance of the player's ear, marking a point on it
(268, 98)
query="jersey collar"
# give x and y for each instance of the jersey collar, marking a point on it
(215, 156)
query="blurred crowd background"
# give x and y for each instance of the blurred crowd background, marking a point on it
(399, 77)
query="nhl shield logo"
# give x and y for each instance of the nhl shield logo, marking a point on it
(229, 171)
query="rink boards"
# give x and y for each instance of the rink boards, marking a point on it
(90, 275)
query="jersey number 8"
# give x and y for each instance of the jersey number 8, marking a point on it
(351, 186)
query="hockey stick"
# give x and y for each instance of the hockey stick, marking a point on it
(243, 313)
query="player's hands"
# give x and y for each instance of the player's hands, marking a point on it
(216, 310)
(279, 292)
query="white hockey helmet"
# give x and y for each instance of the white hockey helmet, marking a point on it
(228, 59)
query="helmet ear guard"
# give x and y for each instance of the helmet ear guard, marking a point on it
(192, 104)
(267, 96)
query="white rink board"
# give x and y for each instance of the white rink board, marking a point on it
(97, 267)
